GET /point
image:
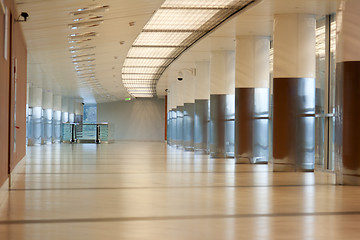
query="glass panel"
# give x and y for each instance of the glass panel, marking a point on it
(48, 116)
(90, 113)
(86, 132)
(321, 88)
(66, 132)
(104, 132)
(56, 127)
(332, 91)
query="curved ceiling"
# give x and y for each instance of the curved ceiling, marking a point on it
(175, 27)
(77, 47)
(103, 31)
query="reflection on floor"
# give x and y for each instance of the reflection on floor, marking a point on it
(146, 190)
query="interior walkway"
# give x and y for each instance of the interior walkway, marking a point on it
(133, 190)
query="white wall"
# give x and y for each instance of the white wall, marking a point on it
(134, 120)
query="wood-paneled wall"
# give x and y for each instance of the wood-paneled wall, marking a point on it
(8, 157)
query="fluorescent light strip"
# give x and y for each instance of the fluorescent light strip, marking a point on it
(179, 19)
(161, 38)
(141, 70)
(150, 52)
(138, 76)
(198, 3)
(144, 62)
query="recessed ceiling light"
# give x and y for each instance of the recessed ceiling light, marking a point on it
(90, 10)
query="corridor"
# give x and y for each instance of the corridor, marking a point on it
(147, 190)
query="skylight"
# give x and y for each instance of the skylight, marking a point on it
(174, 27)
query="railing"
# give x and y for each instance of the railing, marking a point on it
(85, 133)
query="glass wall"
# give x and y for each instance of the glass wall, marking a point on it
(325, 92)
(90, 113)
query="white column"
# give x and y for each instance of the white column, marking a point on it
(56, 103)
(35, 97)
(252, 62)
(79, 108)
(294, 92)
(71, 108)
(348, 34)
(65, 110)
(294, 46)
(188, 86)
(347, 162)
(202, 83)
(47, 100)
(35, 103)
(222, 72)
(179, 93)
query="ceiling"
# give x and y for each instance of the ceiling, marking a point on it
(50, 62)
(52, 65)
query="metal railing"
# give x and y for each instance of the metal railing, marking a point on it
(85, 133)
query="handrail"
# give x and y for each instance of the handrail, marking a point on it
(87, 132)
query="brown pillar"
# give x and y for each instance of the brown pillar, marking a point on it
(347, 127)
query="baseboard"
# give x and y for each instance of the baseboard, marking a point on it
(4, 192)
(15, 172)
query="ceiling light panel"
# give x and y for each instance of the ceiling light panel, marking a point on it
(90, 10)
(143, 62)
(142, 95)
(161, 38)
(144, 70)
(151, 52)
(199, 3)
(139, 76)
(180, 19)
(175, 27)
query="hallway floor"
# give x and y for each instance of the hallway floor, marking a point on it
(146, 190)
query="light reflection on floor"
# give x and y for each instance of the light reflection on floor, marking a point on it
(133, 190)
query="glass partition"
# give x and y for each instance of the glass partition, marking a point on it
(85, 133)
(325, 92)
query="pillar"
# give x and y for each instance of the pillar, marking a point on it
(179, 114)
(65, 126)
(294, 92)
(47, 116)
(222, 101)
(189, 105)
(56, 119)
(252, 99)
(28, 126)
(64, 110)
(79, 111)
(347, 110)
(172, 115)
(202, 110)
(35, 115)
(71, 109)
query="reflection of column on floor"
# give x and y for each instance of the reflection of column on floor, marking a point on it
(252, 99)
(294, 92)
(222, 101)
(201, 118)
(347, 93)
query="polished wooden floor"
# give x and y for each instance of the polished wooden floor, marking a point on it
(146, 190)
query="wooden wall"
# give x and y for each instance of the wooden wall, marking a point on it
(8, 157)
